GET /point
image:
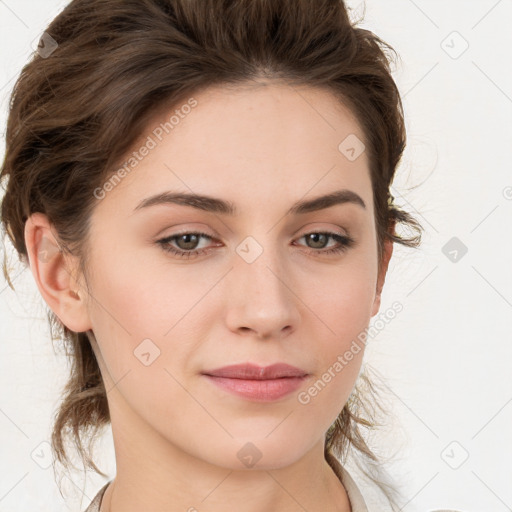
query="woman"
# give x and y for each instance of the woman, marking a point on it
(201, 191)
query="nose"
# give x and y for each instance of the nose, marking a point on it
(261, 300)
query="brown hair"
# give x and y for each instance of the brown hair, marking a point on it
(74, 113)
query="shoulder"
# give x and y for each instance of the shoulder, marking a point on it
(356, 499)
(94, 506)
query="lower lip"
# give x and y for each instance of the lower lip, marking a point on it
(259, 390)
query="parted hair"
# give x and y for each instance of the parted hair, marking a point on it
(75, 112)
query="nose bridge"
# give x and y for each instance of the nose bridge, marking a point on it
(260, 265)
(260, 295)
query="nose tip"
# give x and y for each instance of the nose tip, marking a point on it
(260, 301)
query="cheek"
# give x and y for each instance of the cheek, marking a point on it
(144, 317)
(339, 357)
(341, 305)
(347, 315)
(140, 298)
(343, 298)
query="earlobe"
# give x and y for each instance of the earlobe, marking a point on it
(52, 271)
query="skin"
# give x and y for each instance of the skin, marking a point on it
(176, 435)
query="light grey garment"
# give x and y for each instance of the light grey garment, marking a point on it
(354, 494)
(94, 506)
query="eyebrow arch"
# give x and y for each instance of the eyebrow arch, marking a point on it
(215, 205)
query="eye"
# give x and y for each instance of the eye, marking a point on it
(187, 243)
(321, 237)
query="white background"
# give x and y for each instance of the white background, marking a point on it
(446, 357)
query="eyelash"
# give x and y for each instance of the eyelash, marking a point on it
(345, 241)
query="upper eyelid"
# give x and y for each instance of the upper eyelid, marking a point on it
(193, 230)
(328, 232)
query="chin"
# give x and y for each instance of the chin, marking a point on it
(261, 451)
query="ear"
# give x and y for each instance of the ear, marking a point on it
(53, 272)
(383, 268)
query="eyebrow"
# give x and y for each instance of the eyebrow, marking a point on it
(215, 205)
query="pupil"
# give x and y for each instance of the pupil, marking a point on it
(187, 239)
(314, 237)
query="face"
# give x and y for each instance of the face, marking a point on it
(178, 291)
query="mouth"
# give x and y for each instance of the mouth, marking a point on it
(261, 384)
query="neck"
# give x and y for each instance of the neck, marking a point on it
(154, 475)
(275, 492)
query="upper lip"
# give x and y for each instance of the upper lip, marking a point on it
(251, 371)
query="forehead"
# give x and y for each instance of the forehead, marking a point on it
(261, 115)
(259, 141)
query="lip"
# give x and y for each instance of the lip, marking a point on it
(258, 383)
(252, 371)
